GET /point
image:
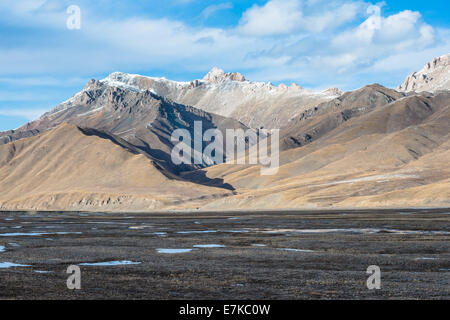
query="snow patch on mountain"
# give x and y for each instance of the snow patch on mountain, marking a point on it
(217, 75)
(434, 76)
(256, 104)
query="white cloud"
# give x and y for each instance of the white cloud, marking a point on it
(274, 18)
(29, 114)
(310, 41)
(399, 26)
(35, 13)
(335, 16)
(412, 60)
(22, 7)
(208, 11)
(19, 96)
(393, 34)
(42, 81)
(278, 17)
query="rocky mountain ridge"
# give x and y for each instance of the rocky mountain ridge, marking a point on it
(256, 104)
(434, 76)
(140, 117)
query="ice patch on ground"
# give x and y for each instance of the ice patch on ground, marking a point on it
(161, 234)
(209, 246)
(236, 231)
(356, 230)
(197, 231)
(7, 265)
(22, 234)
(139, 227)
(35, 234)
(295, 250)
(173, 251)
(109, 263)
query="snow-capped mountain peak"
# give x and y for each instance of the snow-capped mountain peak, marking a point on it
(256, 104)
(435, 75)
(122, 80)
(217, 75)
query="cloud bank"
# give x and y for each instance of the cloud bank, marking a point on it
(316, 43)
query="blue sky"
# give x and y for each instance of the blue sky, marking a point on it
(315, 43)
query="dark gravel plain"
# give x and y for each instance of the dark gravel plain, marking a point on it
(248, 255)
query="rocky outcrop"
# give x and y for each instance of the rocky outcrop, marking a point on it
(434, 76)
(217, 75)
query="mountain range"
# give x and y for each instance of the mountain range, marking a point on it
(108, 148)
(230, 95)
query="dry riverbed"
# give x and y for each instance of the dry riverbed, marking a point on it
(235, 255)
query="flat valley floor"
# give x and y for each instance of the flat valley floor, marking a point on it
(227, 255)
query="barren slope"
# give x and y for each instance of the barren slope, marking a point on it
(70, 168)
(396, 155)
(314, 123)
(138, 116)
